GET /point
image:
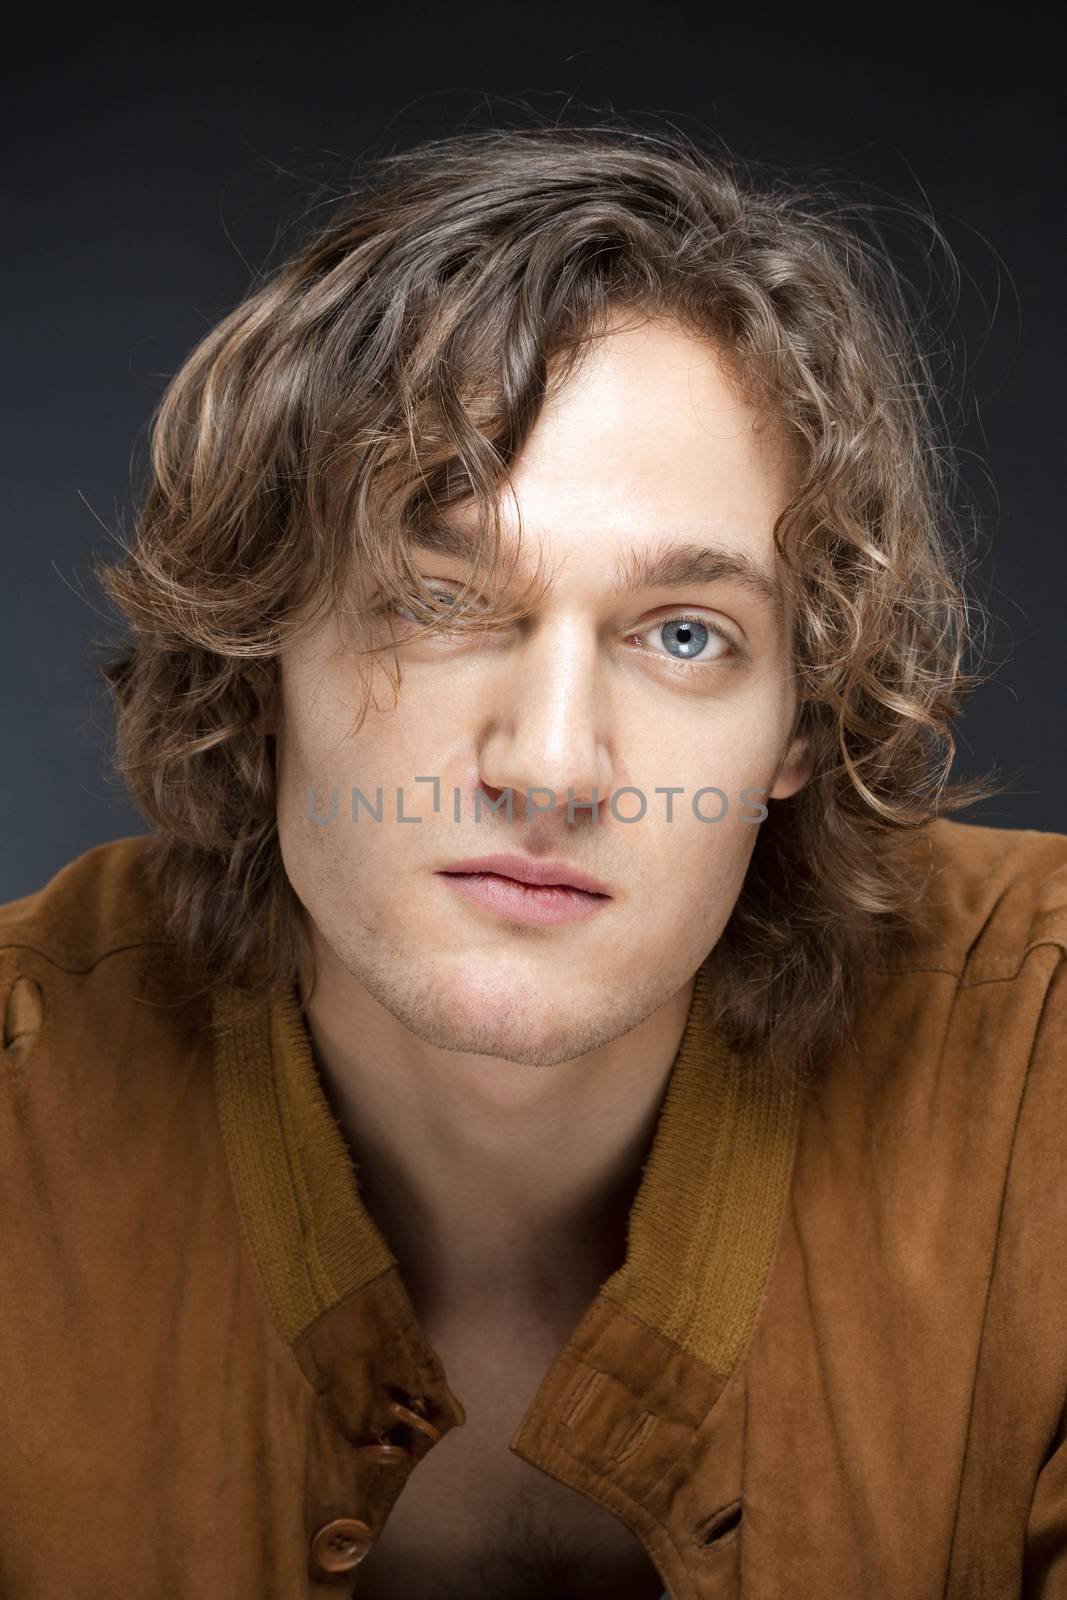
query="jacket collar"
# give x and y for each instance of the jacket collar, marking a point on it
(701, 1229)
(635, 1382)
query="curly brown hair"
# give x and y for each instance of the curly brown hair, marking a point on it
(393, 365)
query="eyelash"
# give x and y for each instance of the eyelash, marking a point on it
(712, 628)
(735, 650)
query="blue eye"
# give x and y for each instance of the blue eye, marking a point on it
(394, 608)
(686, 637)
(690, 636)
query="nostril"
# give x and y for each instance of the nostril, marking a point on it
(722, 1522)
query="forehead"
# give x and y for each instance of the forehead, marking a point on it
(647, 468)
(652, 417)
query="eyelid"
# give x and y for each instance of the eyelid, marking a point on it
(668, 613)
(681, 613)
(379, 604)
(692, 614)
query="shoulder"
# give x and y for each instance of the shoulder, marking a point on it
(985, 899)
(94, 905)
(979, 994)
(107, 1109)
(86, 977)
(975, 999)
(967, 1026)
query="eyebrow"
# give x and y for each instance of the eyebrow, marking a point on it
(663, 566)
(656, 565)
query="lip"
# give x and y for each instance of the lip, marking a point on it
(525, 902)
(538, 874)
(521, 889)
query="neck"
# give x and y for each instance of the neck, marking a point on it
(492, 1181)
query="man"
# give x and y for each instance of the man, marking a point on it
(598, 1075)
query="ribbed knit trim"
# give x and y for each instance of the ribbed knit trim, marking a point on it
(702, 1228)
(313, 1239)
(704, 1223)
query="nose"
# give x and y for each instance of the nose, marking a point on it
(545, 722)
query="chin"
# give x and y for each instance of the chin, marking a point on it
(505, 1028)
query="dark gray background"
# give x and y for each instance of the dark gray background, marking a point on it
(150, 166)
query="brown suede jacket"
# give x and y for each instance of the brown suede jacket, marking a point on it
(833, 1363)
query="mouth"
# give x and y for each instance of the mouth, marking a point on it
(530, 872)
(516, 901)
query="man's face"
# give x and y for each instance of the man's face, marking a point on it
(598, 688)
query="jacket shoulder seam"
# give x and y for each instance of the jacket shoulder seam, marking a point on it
(991, 969)
(62, 966)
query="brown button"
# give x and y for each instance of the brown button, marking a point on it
(341, 1544)
(413, 1417)
(384, 1454)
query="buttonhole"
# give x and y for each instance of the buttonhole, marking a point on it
(724, 1521)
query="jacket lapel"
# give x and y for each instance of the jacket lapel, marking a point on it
(637, 1410)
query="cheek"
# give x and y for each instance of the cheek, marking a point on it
(296, 767)
(725, 782)
(731, 750)
(323, 759)
(709, 839)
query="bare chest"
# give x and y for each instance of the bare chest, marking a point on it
(474, 1519)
